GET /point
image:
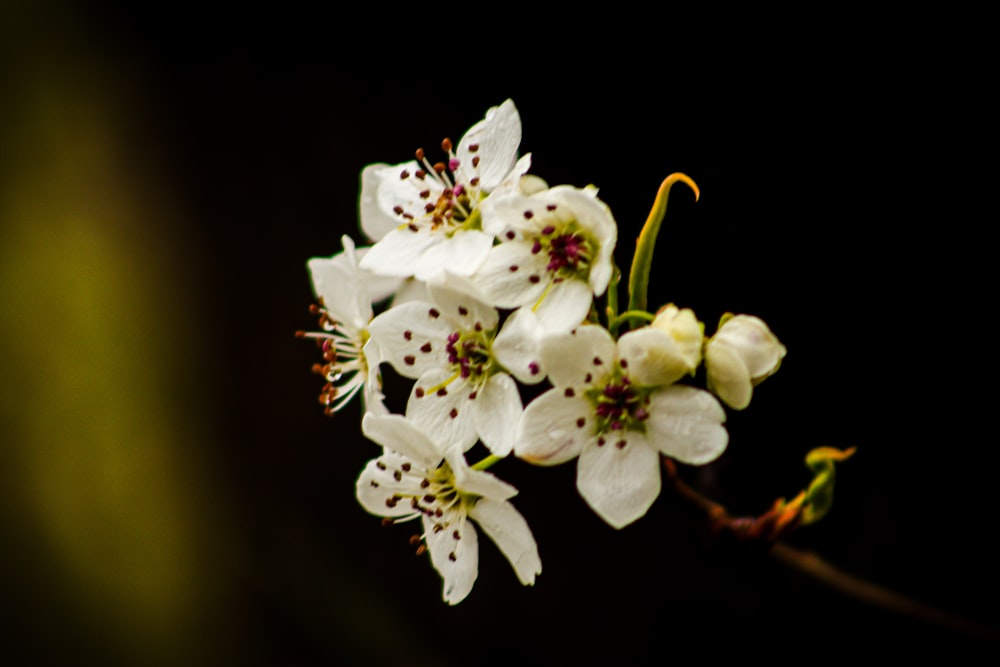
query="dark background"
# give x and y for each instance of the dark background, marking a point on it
(172, 493)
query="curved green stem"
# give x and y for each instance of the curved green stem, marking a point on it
(628, 315)
(638, 280)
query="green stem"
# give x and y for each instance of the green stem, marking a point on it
(616, 278)
(487, 462)
(638, 281)
(629, 315)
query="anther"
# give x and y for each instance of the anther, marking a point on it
(421, 549)
(446, 145)
(414, 539)
(420, 154)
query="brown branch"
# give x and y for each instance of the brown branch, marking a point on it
(780, 520)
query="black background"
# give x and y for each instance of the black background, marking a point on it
(830, 208)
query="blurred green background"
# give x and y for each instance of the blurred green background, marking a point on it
(170, 492)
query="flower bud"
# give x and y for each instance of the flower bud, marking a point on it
(739, 356)
(685, 329)
(666, 350)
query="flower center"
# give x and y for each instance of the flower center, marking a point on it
(431, 494)
(470, 356)
(346, 368)
(620, 405)
(455, 206)
(570, 250)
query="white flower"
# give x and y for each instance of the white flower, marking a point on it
(555, 254)
(416, 478)
(425, 216)
(741, 355)
(609, 407)
(345, 294)
(462, 366)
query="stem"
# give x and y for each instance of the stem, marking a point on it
(486, 462)
(828, 574)
(638, 281)
(612, 309)
(627, 316)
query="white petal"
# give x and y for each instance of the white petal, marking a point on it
(445, 411)
(410, 290)
(518, 346)
(496, 412)
(377, 220)
(398, 253)
(412, 338)
(377, 485)
(505, 276)
(570, 359)
(477, 482)
(343, 291)
(653, 357)
(514, 184)
(564, 307)
(685, 423)
(727, 376)
(554, 428)
(374, 398)
(751, 339)
(498, 136)
(400, 435)
(462, 303)
(508, 529)
(457, 560)
(619, 483)
(462, 253)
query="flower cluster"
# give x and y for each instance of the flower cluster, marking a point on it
(488, 279)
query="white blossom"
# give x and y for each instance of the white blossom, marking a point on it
(425, 216)
(462, 364)
(345, 293)
(418, 478)
(554, 255)
(610, 408)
